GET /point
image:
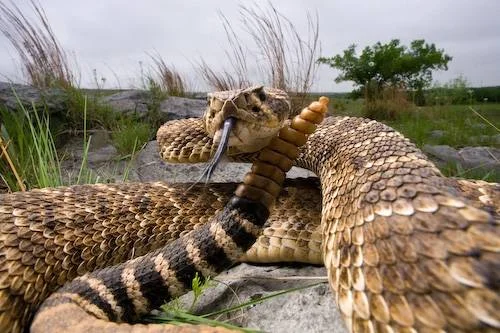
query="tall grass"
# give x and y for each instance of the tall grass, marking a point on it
(290, 60)
(46, 64)
(28, 154)
(285, 59)
(386, 103)
(234, 77)
(220, 80)
(30, 157)
(129, 135)
(44, 61)
(169, 79)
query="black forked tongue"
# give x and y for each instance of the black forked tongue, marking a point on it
(221, 148)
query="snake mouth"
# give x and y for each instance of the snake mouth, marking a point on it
(243, 121)
(260, 113)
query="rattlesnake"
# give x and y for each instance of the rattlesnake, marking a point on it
(405, 248)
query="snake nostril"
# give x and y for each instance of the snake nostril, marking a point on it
(255, 109)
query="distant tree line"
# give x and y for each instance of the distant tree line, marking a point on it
(390, 67)
(449, 95)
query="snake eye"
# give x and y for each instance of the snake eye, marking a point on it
(255, 109)
(262, 96)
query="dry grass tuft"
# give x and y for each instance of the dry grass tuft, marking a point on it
(220, 80)
(44, 61)
(168, 78)
(290, 60)
(386, 103)
(284, 59)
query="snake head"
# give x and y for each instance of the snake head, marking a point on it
(259, 114)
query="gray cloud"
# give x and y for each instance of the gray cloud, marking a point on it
(113, 36)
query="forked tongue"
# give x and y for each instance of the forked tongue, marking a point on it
(221, 148)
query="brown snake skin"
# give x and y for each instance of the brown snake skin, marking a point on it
(406, 249)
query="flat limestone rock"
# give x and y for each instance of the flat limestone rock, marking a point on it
(180, 107)
(140, 102)
(480, 157)
(128, 102)
(11, 95)
(149, 167)
(311, 309)
(476, 158)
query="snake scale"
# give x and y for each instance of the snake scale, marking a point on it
(406, 249)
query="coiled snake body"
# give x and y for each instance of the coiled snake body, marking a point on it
(405, 248)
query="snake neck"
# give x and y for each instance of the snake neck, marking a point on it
(359, 147)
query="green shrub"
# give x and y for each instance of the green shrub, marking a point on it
(339, 105)
(388, 104)
(97, 114)
(455, 91)
(129, 136)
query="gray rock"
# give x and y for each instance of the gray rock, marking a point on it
(140, 102)
(129, 102)
(103, 154)
(312, 309)
(180, 107)
(101, 158)
(149, 167)
(442, 154)
(54, 100)
(486, 158)
(477, 158)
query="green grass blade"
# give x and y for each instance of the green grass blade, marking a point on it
(183, 318)
(260, 300)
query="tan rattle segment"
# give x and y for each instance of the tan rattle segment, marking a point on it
(263, 183)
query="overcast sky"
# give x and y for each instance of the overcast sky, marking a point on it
(113, 36)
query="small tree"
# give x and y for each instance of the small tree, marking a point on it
(389, 64)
